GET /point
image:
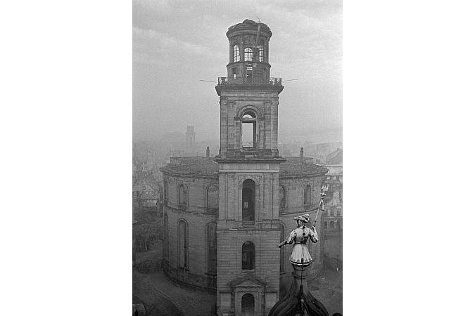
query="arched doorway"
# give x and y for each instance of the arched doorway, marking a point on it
(247, 305)
(248, 195)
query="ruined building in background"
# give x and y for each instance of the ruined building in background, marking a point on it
(190, 138)
(332, 234)
(225, 216)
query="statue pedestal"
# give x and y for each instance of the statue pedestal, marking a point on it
(299, 300)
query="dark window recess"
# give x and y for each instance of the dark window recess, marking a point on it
(248, 256)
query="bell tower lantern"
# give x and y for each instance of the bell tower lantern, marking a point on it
(249, 51)
(249, 97)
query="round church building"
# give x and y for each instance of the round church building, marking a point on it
(191, 208)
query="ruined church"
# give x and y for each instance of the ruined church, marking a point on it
(224, 216)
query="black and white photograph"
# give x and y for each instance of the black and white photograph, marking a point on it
(237, 158)
(185, 157)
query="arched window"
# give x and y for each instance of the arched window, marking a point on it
(247, 304)
(307, 195)
(182, 244)
(212, 197)
(261, 54)
(212, 247)
(237, 57)
(338, 225)
(247, 54)
(248, 256)
(248, 129)
(282, 197)
(332, 225)
(182, 198)
(325, 224)
(248, 200)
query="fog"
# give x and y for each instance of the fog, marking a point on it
(180, 48)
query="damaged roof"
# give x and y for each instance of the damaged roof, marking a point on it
(208, 168)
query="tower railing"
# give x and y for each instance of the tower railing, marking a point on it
(249, 80)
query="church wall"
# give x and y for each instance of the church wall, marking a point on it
(197, 216)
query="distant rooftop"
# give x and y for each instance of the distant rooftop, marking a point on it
(208, 168)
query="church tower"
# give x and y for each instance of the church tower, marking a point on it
(248, 226)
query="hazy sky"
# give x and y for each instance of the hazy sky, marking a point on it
(178, 43)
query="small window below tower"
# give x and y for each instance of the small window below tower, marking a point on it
(237, 57)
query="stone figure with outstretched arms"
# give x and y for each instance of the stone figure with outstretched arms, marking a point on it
(300, 255)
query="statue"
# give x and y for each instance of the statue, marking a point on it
(299, 300)
(300, 255)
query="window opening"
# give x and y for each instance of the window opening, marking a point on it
(282, 197)
(248, 134)
(248, 130)
(248, 256)
(261, 54)
(248, 54)
(237, 57)
(247, 304)
(212, 248)
(248, 198)
(212, 197)
(183, 244)
(182, 195)
(307, 195)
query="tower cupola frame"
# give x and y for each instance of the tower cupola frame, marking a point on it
(249, 56)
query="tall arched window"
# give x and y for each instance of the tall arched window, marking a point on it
(247, 54)
(307, 195)
(325, 224)
(248, 200)
(248, 256)
(248, 129)
(261, 53)
(182, 244)
(282, 197)
(212, 247)
(237, 57)
(332, 225)
(212, 197)
(182, 198)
